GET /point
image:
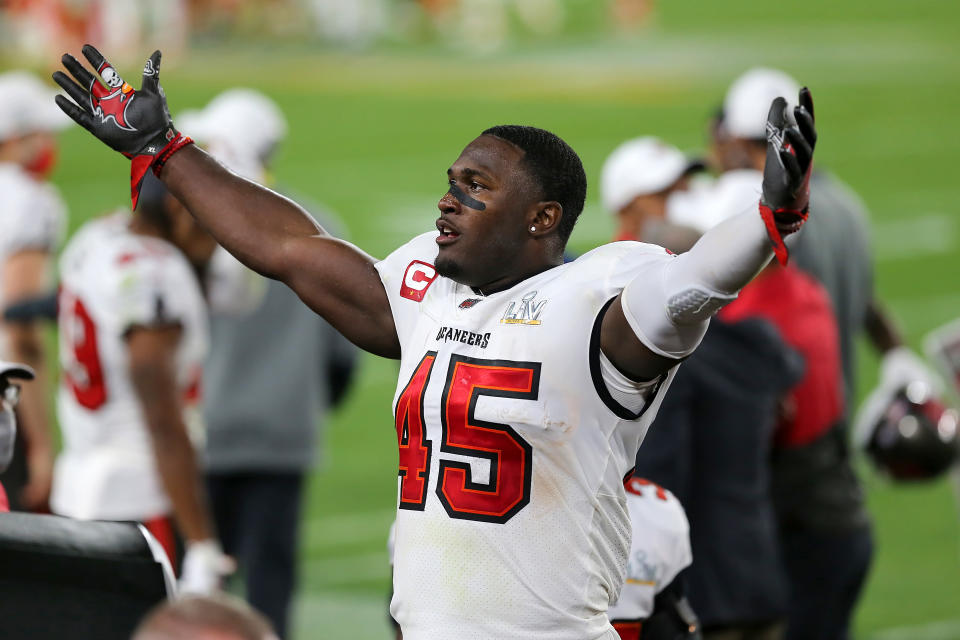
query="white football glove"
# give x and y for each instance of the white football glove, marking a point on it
(204, 567)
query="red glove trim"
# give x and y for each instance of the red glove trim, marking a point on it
(141, 163)
(776, 231)
(138, 169)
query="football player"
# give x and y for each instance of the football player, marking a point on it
(526, 383)
(133, 337)
(826, 537)
(32, 219)
(652, 605)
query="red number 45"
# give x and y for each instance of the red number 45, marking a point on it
(510, 457)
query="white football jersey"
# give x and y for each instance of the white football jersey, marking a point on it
(112, 280)
(660, 548)
(512, 519)
(32, 216)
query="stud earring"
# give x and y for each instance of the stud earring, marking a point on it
(533, 228)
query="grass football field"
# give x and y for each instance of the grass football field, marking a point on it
(372, 135)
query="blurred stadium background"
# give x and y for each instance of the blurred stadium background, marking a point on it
(382, 94)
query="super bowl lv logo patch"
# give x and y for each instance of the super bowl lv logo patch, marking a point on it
(527, 311)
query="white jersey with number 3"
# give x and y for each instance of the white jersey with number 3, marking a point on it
(512, 520)
(111, 281)
(660, 548)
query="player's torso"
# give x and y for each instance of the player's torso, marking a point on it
(511, 465)
(108, 277)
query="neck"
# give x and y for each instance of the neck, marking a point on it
(509, 281)
(142, 227)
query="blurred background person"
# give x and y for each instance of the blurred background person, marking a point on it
(822, 537)
(219, 617)
(711, 442)
(824, 528)
(32, 223)
(274, 372)
(711, 447)
(637, 180)
(9, 395)
(653, 603)
(835, 249)
(133, 338)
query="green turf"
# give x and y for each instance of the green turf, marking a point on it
(373, 134)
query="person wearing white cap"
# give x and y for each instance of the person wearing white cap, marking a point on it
(827, 563)
(638, 179)
(133, 337)
(32, 220)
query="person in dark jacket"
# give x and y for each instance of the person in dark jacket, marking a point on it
(710, 446)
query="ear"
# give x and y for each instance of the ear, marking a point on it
(545, 217)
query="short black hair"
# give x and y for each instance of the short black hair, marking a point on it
(553, 165)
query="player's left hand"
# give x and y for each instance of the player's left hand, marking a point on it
(204, 567)
(784, 205)
(135, 122)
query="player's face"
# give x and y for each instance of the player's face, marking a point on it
(483, 221)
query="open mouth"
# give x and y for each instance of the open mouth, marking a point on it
(447, 233)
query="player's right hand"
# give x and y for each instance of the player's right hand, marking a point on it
(135, 122)
(204, 567)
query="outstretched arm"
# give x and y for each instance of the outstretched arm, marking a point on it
(275, 237)
(264, 230)
(660, 317)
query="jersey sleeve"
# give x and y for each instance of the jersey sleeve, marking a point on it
(32, 219)
(614, 265)
(407, 275)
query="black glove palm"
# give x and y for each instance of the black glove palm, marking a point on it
(134, 122)
(786, 174)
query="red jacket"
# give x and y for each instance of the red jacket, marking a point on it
(800, 309)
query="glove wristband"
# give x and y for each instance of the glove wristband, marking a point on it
(175, 145)
(141, 163)
(777, 229)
